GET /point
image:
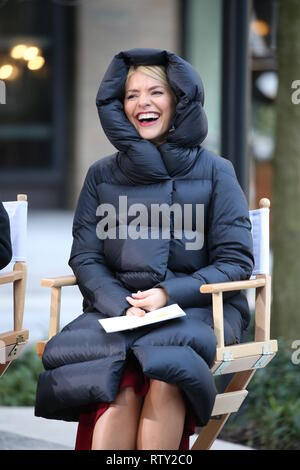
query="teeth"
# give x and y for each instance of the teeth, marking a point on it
(148, 116)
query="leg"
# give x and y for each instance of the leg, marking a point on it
(162, 418)
(116, 429)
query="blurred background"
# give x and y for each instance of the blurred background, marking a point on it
(53, 55)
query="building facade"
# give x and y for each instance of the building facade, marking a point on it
(50, 132)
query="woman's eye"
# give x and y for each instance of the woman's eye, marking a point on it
(134, 96)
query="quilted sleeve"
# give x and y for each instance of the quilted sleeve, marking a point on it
(5, 243)
(229, 243)
(96, 280)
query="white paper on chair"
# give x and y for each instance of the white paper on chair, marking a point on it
(17, 213)
(260, 234)
(127, 322)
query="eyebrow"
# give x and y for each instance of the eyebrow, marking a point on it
(151, 88)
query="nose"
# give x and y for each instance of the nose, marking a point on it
(144, 100)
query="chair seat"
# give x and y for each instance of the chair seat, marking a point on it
(13, 337)
(238, 357)
(245, 356)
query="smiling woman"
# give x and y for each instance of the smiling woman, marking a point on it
(148, 389)
(149, 102)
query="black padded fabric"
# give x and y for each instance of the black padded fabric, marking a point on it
(83, 363)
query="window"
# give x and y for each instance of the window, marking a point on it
(36, 66)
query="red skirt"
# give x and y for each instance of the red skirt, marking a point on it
(132, 377)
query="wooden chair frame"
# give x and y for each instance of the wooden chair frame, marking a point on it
(241, 359)
(12, 342)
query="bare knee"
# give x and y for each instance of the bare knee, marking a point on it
(123, 413)
(164, 390)
(127, 397)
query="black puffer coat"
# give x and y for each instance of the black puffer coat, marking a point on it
(83, 363)
(5, 243)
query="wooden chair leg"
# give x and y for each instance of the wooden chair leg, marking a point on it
(210, 432)
(19, 296)
(240, 380)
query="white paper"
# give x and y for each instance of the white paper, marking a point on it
(260, 234)
(17, 213)
(127, 322)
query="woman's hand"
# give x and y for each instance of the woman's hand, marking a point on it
(149, 300)
(135, 311)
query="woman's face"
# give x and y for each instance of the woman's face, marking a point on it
(149, 105)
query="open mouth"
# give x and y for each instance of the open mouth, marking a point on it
(147, 119)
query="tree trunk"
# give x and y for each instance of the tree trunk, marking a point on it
(286, 180)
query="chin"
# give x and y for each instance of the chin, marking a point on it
(151, 136)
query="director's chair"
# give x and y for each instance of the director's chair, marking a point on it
(12, 342)
(240, 359)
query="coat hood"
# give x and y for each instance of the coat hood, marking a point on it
(145, 162)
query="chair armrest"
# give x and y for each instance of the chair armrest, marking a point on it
(18, 277)
(9, 277)
(231, 286)
(60, 281)
(262, 305)
(56, 283)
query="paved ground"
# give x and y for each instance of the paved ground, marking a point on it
(20, 429)
(11, 441)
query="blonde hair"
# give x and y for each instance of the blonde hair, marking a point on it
(157, 72)
(154, 71)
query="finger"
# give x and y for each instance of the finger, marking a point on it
(136, 302)
(138, 312)
(152, 308)
(130, 300)
(137, 295)
(131, 311)
(140, 295)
